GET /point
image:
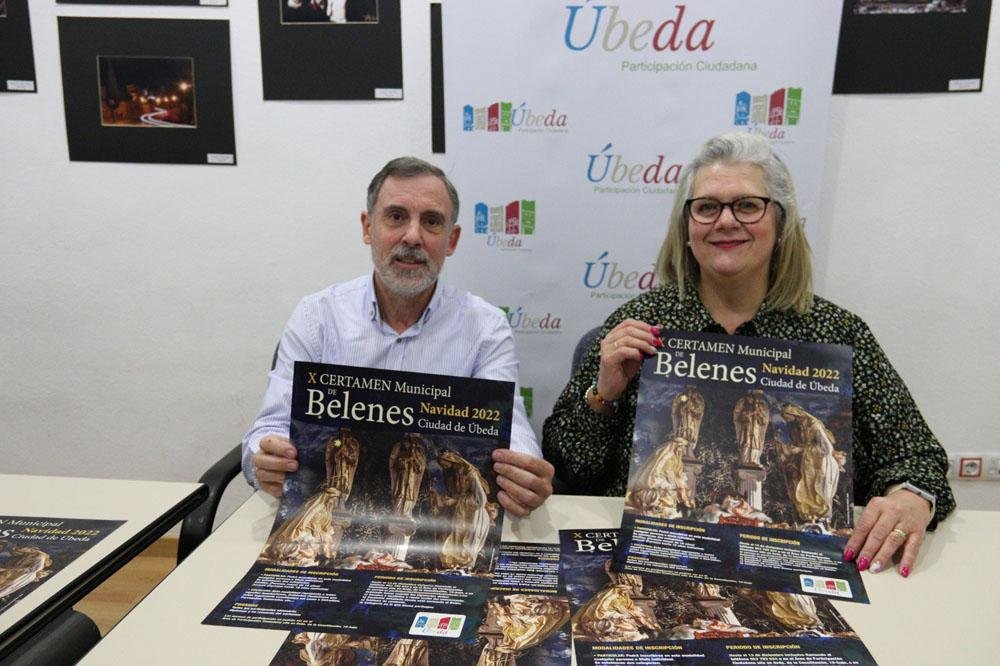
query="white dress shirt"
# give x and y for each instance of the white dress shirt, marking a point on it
(458, 334)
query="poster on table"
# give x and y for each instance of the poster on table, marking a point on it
(567, 125)
(635, 620)
(331, 49)
(741, 470)
(34, 548)
(147, 90)
(912, 46)
(391, 525)
(527, 623)
(17, 60)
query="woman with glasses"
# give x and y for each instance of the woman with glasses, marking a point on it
(735, 260)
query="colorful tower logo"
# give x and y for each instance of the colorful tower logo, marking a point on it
(517, 218)
(495, 117)
(781, 107)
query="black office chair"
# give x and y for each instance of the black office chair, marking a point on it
(61, 642)
(582, 346)
(198, 524)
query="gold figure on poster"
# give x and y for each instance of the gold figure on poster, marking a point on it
(517, 622)
(687, 411)
(341, 457)
(471, 513)
(819, 467)
(332, 649)
(408, 652)
(24, 566)
(613, 614)
(407, 463)
(659, 487)
(751, 416)
(309, 534)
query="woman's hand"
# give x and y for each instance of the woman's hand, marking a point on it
(887, 524)
(622, 351)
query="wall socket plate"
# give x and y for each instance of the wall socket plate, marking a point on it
(974, 466)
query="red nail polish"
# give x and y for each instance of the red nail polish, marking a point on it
(904, 572)
(655, 330)
(863, 563)
(657, 342)
(848, 554)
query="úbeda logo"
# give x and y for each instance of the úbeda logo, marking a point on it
(676, 33)
(506, 227)
(505, 117)
(526, 321)
(768, 113)
(606, 279)
(612, 173)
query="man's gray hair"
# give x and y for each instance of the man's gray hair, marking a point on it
(410, 167)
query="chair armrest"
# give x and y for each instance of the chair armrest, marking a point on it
(198, 524)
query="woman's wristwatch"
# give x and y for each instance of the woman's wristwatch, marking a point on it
(596, 401)
(916, 490)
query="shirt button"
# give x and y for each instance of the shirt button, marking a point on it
(398, 340)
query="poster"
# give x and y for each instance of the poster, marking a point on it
(17, 60)
(567, 125)
(147, 90)
(741, 468)
(632, 620)
(331, 49)
(527, 623)
(390, 528)
(34, 548)
(912, 46)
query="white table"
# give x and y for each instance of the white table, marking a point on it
(947, 612)
(149, 508)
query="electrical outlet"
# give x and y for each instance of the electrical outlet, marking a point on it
(970, 466)
(991, 467)
(952, 466)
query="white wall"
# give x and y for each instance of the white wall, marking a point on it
(141, 303)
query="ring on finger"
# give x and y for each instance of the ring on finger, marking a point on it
(898, 532)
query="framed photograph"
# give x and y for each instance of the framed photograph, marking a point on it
(331, 49)
(147, 90)
(911, 46)
(17, 61)
(203, 3)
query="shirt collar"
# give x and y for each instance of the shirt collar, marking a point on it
(374, 315)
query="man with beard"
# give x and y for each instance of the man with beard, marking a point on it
(401, 317)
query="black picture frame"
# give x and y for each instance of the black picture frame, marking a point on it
(17, 59)
(83, 41)
(912, 53)
(356, 60)
(185, 3)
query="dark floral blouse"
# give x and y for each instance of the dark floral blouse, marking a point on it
(891, 440)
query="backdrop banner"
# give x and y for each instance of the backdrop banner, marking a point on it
(568, 124)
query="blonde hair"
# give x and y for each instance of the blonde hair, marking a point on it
(790, 278)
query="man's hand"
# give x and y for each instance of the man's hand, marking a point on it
(525, 481)
(887, 524)
(276, 456)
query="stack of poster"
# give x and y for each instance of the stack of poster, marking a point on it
(391, 526)
(625, 619)
(526, 625)
(33, 548)
(737, 512)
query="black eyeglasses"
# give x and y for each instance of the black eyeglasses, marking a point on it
(746, 210)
